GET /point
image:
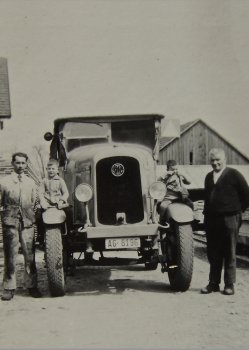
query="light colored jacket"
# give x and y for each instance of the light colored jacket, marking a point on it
(18, 200)
(53, 190)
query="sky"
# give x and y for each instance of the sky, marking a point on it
(186, 59)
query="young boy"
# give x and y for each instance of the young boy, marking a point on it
(176, 192)
(53, 190)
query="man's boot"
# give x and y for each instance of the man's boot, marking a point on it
(229, 289)
(8, 294)
(210, 288)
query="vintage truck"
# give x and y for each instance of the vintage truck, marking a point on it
(109, 166)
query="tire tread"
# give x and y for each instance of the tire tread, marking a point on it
(54, 261)
(181, 278)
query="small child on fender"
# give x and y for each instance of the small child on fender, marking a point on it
(176, 192)
(53, 190)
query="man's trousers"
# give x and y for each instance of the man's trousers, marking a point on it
(222, 234)
(12, 235)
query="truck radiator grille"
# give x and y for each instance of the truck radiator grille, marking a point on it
(119, 190)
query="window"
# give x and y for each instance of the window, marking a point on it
(191, 157)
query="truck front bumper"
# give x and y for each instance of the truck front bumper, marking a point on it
(122, 231)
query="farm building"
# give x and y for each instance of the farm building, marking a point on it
(4, 90)
(195, 141)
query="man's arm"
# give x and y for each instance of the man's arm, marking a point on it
(243, 191)
(2, 195)
(205, 210)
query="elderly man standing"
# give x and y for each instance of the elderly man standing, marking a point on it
(226, 196)
(18, 200)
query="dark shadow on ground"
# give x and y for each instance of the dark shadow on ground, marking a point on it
(97, 281)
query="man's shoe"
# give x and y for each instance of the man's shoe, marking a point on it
(8, 294)
(228, 289)
(211, 287)
(34, 292)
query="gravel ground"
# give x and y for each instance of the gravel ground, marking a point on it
(126, 307)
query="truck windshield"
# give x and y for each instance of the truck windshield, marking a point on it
(72, 130)
(76, 134)
(139, 132)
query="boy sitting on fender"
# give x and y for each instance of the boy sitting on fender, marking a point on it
(176, 192)
(53, 190)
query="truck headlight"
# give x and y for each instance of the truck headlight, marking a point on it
(84, 192)
(157, 190)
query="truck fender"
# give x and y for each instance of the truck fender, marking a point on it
(53, 216)
(180, 212)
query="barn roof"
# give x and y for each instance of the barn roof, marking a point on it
(165, 141)
(197, 173)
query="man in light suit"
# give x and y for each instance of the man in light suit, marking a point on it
(18, 217)
(226, 196)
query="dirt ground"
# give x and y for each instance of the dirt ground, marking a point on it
(126, 307)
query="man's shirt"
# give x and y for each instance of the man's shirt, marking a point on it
(216, 175)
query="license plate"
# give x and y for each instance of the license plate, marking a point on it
(122, 243)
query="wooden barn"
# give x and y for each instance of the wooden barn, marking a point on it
(195, 141)
(4, 91)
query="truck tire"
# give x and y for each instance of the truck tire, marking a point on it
(182, 256)
(54, 261)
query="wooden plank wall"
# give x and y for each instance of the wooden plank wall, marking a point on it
(199, 139)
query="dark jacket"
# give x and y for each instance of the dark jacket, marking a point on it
(230, 194)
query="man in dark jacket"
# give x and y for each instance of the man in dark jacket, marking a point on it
(226, 196)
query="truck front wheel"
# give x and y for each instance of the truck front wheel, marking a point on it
(54, 261)
(180, 256)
